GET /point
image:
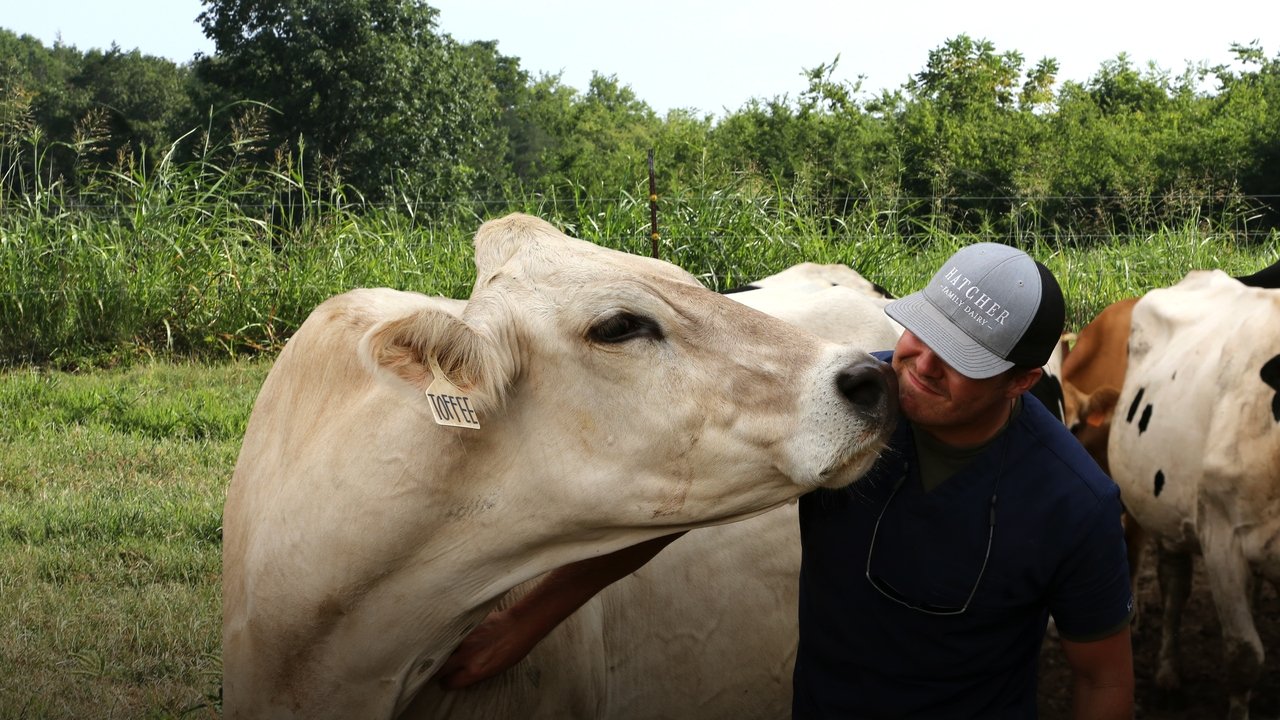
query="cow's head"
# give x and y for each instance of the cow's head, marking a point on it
(618, 383)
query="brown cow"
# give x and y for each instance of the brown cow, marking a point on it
(1092, 374)
(1097, 361)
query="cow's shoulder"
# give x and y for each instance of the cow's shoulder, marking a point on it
(835, 312)
(818, 275)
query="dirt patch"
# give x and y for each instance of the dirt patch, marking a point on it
(1203, 694)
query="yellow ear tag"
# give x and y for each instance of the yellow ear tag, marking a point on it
(449, 405)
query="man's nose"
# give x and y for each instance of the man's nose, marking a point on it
(928, 363)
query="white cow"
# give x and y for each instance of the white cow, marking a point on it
(832, 301)
(835, 312)
(1195, 448)
(707, 629)
(817, 276)
(617, 401)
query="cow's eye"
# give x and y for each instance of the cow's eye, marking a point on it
(624, 326)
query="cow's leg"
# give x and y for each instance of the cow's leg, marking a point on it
(1230, 580)
(1173, 571)
(1134, 538)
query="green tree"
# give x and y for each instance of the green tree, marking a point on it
(825, 141)
(367, 84)
(965, 129)
(86, 110)
(1243, 127)
(1037, 91)
(967, 77)
(538, 123)
(143, 99)
(1119, 87)
(1113, 136)
(498, 162)
(597, 140)
(40, 107)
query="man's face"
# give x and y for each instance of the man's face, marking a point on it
(948, 405)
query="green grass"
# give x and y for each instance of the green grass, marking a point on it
(93, 292)
(111, 491)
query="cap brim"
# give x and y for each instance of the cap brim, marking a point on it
(925, 321)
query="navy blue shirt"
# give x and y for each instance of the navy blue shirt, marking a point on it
(1057, 546)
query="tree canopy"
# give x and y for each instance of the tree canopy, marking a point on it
(372, 93)
(369, 85)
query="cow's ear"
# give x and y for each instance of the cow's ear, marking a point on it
(406, 348)
(497, 241)
(1100, 406)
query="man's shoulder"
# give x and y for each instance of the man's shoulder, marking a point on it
(1052, 447)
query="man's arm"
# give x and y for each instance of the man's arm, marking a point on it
(1103, 674)
(506, 636)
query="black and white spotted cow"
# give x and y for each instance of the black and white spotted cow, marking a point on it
(1195, 448)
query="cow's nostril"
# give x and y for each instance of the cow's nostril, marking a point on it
(862, 383)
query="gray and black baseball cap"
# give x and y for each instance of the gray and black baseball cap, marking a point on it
(989, 308)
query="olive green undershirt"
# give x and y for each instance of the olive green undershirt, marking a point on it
(938, 461)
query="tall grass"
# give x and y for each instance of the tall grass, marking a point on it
(212, 257)
(218, 257)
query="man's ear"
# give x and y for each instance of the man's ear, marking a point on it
(1022, 381)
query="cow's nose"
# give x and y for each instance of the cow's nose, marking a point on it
(868, 384)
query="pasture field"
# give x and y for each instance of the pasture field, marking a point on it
(111, 488)
(112, 479)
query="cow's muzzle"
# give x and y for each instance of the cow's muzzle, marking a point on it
(872, 388)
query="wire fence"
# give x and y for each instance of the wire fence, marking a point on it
(73, 204)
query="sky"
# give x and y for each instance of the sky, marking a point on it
(712, 57)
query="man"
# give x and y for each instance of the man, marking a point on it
(926, 586)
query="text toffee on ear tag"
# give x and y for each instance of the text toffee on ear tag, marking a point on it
(449, 405)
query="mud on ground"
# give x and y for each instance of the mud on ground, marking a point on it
(1203, 695)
